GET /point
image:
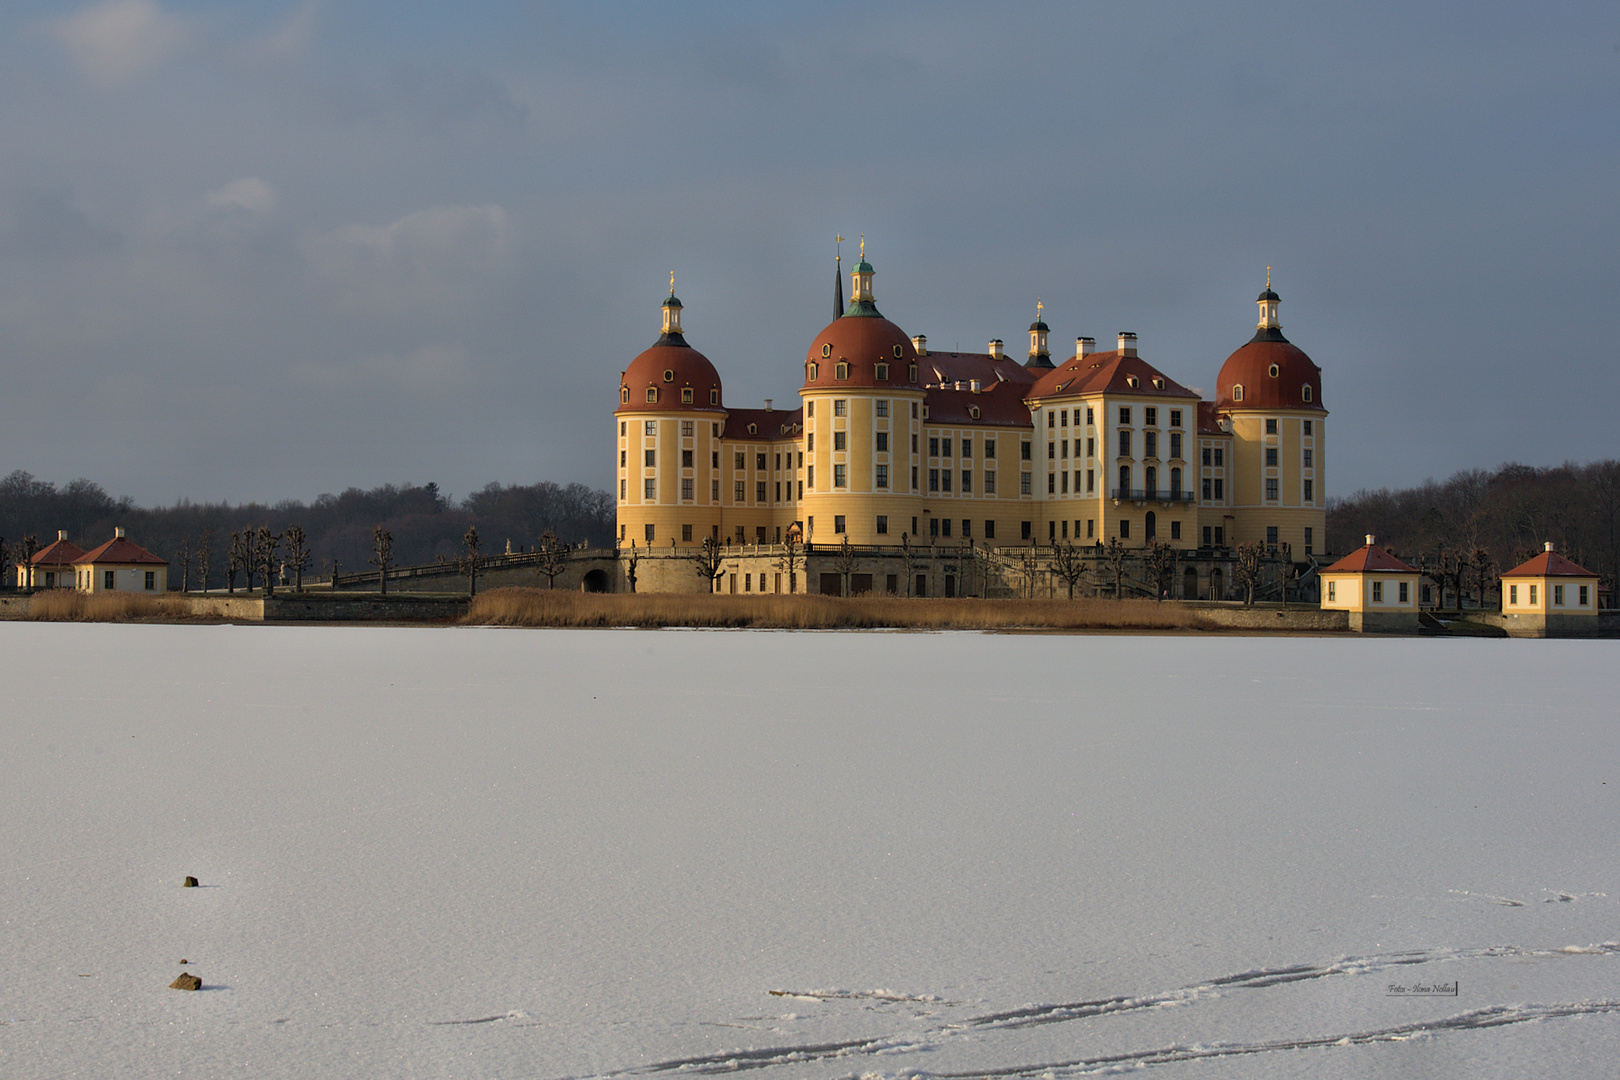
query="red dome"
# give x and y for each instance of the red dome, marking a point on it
(862, 342)
(1274, 374)
(670, 367)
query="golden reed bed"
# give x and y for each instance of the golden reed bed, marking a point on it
(545, 607)
(65, 605)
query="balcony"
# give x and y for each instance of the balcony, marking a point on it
(1147, 495)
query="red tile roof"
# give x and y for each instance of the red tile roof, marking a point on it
(121, 552)
(1208, 422)
(1549, 564)
(57, 553)
(1107, 372)
(1369, 559)
(948, 368)
(769, 425)
(1000, 404)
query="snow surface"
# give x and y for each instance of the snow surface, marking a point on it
(510, 853)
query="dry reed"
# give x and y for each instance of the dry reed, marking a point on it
(66, 605)
(545, 607)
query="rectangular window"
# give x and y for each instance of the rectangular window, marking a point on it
(1333, 591)
(1271, 427)
(759, 462)
(839, 441)
(1307, 461)
(1206, 455)
(1307, 539)
(1124, 529)
(739, 491)
(967, 529)
(882, 444)
(1124, 414)
(1206, 491)
(1023, 451)
(759, 491)
(686, 428)
(1513, 594)
(989, 528)
(1051, 531)
(944, 448)
(686, 534)
(739, 460)
(933, 526)
(933, 479)
(1220, 536)
(1023, 530)
(686, 487)
(1065, 420)
(1175, 530)
(967, 481)
(686, 459)
(779, 491)
(989, 483)
(1150, 416)
(1206, 536)
(1584, 598)
(1150, 444)
(1218, 493)
(1091, 447)
(840, 407)
(1051, 420)
(1175, 417)
(1065, 490)
(1532, 594)
(838, 523)
(1308, 496)
(151, 583)
(714, 490)
(840, 477)
(1217, 455)
(1051, 483)
(651, 459)
(809, 408)
(1124, 444)
(623, 491)
(989, 448)
(1271, 490)
(914, 443)
(1402, 593)
(1089, 416)
(621, 459)
(914, 478)
(1271, 536)
(881, 408)
(933, 447)
(651, 428)
(649, 531)
(1307, 429)
(1051, 451)
(809, 444)
(945, 479)
(883, 524)
(1065, 448)
(1271, 457)
(944, 526)
(1175, 444)
(1091, 481)
(1023, 483)
(882, 476)
(1378, 592)
(649, 488)
(1091, 529)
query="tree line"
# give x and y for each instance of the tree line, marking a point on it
(1465, 531)
(424, 525)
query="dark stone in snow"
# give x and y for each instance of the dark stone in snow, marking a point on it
(189, 883)
(186, 981)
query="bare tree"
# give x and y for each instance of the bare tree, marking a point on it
(382, 555)
(1287, 569)
(1029, 561)
(236, 561)
(205, 546)
(550, 558)
(1248, 568)
(630, 560)
(1482, 564)
(791, 559)
(298, 555)
(184, 557)
(1116, 556)
(908, 561)
(844, 561)
(471, 561)
(1159, 562)
(265, 545)
(710, 561)
(25, 558)
(5, 562)
(1069, 565)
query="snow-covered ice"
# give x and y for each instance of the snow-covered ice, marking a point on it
(543, 854)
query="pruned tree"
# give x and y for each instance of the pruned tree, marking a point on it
(205, 546)
(1069, 565)
(183, 555)
(382, 555)
(5, 562)
(1287, 569)
(1159, 562)
(968, 557)
(710, 561)
(265, 545)
(791, 559)
(1116, 556)
(25, 557)
(844, 562)
(298, 555)
(1248, 568)
(631, 558)
(236, 561)
(550, 557)
(471, 561)
(908, 562)
(1482, 564)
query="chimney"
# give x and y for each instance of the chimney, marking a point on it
(1371, 539)
(994, 349)
(1084, 346)
(118, 533)
(973, 385)
(1549, 546)
(61, 534)
(767, 404)
(1127, 343)
(957, 385)
(920, 343)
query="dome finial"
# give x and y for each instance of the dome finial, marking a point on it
(1038, 309)
(1268, 277)
(672, 282)
(863, 247)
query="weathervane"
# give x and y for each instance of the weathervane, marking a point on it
(863, 247)
(836, 252)
(1038, 309)
(1268, 277)
(672, 282)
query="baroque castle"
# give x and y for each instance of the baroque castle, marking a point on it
(893, 443)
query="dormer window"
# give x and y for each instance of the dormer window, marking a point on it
(1132, 381)
(753, 429)
(669, 376)
(1273, 371)
(826, 350)
(686, 395)
(624, 395)
(911, 372)
(815, 370)
(1305, 392)
(899, 352)
(1237, 392)
(973, 412)
(883, 372)
(842, 371)
(652, 395)
(714, 398)
(1158, 384)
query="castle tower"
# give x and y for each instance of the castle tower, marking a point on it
(668, 427)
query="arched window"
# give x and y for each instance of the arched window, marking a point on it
(686, 395)
(714, 397)
(1305, 392)
(815, 371)
(652, 394)
(1124, 481)
(883, 372)
(1150, 481)
(842, 371)
(624, 395)
(911, 372)
(1237, 392)
(1175, 482)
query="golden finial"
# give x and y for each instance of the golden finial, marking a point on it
(1268, 277)
(863, 247)
(1038, 309)
(837, 254)
(672, 283)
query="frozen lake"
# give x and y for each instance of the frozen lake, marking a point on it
(540, 854)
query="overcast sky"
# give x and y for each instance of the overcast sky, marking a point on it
(255, 251)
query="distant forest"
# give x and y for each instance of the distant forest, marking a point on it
(1508, 513)
(425, 524)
